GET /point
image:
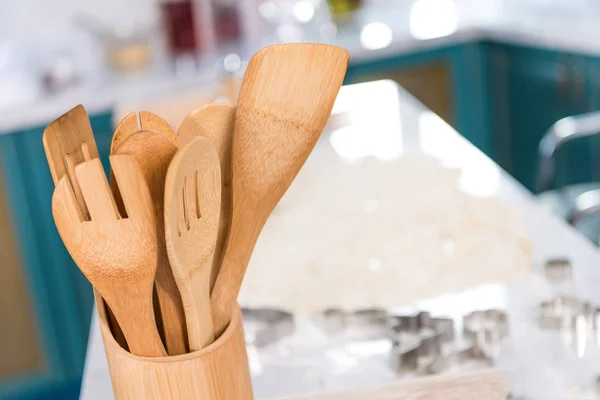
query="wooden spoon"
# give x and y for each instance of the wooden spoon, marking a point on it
(153, 152)
(117, 255)
(137, 122)
(215, 122)
(192, 207)
(286, 97)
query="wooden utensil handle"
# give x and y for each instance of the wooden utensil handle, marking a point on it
(135, 318)
(240, 243)
(198, 315)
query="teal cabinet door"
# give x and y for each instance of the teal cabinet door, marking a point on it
(531, 89)
(451, 81)
(55, 300)
(593, 90)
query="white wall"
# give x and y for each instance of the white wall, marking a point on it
(47, 22)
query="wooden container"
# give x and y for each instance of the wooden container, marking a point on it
(217, 372)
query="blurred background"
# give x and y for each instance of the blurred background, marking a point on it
(503, 73)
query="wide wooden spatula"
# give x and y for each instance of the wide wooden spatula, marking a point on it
(285, 100)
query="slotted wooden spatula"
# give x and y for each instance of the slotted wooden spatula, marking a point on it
(286, 97)
(215, 122)
(192, 207)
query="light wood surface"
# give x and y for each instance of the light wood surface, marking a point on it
(153, 152)
(215, 122)
(285, 100)
(192, 207)
(143, 121)
(118, 256)
(218, 372)
(480, 385)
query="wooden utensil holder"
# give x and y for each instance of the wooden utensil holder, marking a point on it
(217, 372)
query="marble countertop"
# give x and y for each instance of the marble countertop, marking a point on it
(538, 363)
(381, 29)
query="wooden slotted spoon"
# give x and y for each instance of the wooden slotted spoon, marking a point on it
(285, 100)
(122, 274)
(215, 122)
(192, 207)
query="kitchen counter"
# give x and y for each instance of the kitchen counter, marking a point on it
(538, 363)
(380, 30)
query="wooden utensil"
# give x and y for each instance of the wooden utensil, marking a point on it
(65, 136)
(145, 121)
(117, 255)
(215, 122)
(68, 141)
(192, 207)
(286, 97)
(153, 153)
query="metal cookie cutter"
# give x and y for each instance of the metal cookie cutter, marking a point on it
(558, 269)
(472, 352)
(423, 321)
(266, 326)
(481, 327)
(368, 317)
(563, 311)
(334, 320)
(418, 340)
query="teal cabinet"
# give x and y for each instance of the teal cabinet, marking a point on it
(593, 91)
(451, 81)
(502, 98)
(56, 297)
(530, 89)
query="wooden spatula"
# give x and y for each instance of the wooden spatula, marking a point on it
(215, 122)
(192, 207)
(153, 152)
(118, 254)
(286, 97)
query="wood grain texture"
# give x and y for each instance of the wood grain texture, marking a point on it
(63, 141)
(65, 135)
(480, 385)
(218, 372)
(153, 152)
(285, 100)
(122, 274)
(144, 121)
(215, 122)
(192, 208)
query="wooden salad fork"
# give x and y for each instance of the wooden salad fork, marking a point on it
(118, 254)
(68, 141)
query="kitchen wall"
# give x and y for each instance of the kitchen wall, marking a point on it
(52, 19)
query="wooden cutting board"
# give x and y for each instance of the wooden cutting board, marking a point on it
(489, 384)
